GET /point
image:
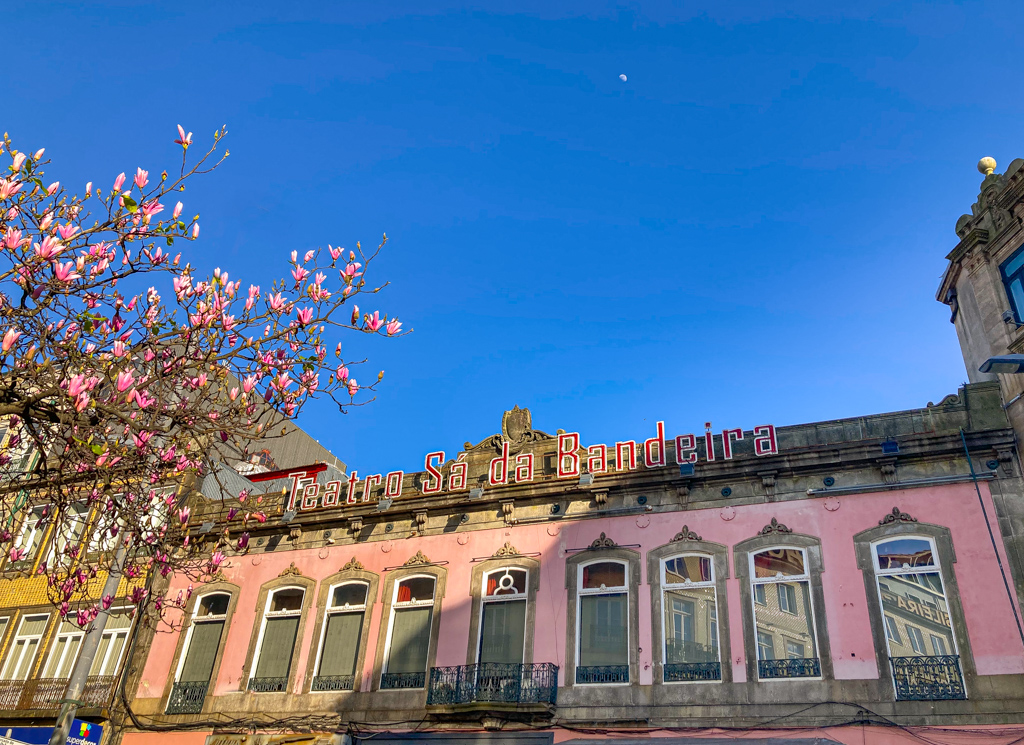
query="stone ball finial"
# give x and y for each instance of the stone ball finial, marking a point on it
(987, 166)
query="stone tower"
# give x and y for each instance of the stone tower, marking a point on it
(983, 285)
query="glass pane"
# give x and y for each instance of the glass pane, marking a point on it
(217, 605)
(351, 594)
(603, 638)
(101, 652)
(1014, 263)
(690, 626)
(596, 576)
(286, 600)
(777, 628)
(683, 568)
(503, 631)
(410, 640)
(905, 553)
(341, 643)
(119, 620)
(112, 646)
(276, 650)
(779, 561)
(510, 582)
(202, 652)
(33, 626)
(416, 588)
(917, 608)
(3, 628)
(62, 656)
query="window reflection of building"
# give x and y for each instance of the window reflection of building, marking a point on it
(691, 613)
(783, 619)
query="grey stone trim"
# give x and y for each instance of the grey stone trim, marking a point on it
(815, 566)
(572, 566)
(286, 580)
(720, 559)
(413, 698)
(323, 596)
(213, 588)
(476, 593)
(947, 558)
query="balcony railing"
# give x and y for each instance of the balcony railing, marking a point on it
(268, 685)
(493, 682)
(688, 672)
(928, 678)
(333, 683)
(602, 674)
(396, 681)
(187, 697)
(799, 667)
(45, 694)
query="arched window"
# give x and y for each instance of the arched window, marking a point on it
(503, 616)
(602, 623)
(786, 636)
(408, 643)
(276, 642)
(340, 638)
(202, 643)
(691, 651)
(922, 647)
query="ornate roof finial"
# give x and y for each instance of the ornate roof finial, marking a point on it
(987, 166)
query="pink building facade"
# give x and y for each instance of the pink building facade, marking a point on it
(853, 581)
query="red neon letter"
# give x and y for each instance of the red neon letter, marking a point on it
(764, 440)
(649, 445)
(597, 459)
(709, 441)
(524, 467)
(726, 444)
(371, 481)
(331, 493)
(432, 481)
(629, 462)
(393, 484)
(457, 477)
(685, 443)
(568, 445)
(353, 479)
(497, 473)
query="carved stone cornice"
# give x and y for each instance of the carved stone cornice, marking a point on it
(686, 535)
(897, 517)
(604, 542)
(774, 527)
(420, 518)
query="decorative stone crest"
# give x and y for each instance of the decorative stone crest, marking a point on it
(775, 527)
(686, 535)
(416, 560)
(516, 430)
(291, 570)
(353, 565)
(604, 542)
(897, 517)
(507, 550)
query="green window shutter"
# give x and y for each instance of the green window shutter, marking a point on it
(276, 650)
(202, 652)
(410, 641)
(603, 630)
(341, 644)
(503, 632)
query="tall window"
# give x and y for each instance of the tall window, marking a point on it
(412, 613)
(783, 618)
(16, 446)
(503, 617)
(201, 646)
(277, 640)
(339, 641)
(1012, 271)
(68, 533)
(691, 619)
(602, 625)
(24, 648)
(919, 635)
(64, 650)
(112, 642)
(30, 537)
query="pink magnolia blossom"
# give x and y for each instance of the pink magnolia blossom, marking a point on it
(276, 302)
(309, 255)
(66, 231)
(141, 439)
(335, 252)
(65, 272)
(10, 338)
(19, 159)
(12, 238)
(81, 402)
(299, 274)
(141, 178)
(243, 541)
(52, 188)
(177, 210)
(119, 181)
(374, 322)
(352, 387)
(305, 316)
(49, 248)
(218, 558)
(17, 554)
(88, 188)
(183, 514)
(394, 326)
(195, 231)
(125, 380)
(39, 153)
(183, 139)
(8, 188)
(342, 373)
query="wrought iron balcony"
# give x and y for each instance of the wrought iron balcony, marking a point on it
(268, 685)
(45, 694)
(333, 683)
(534, 683)
(798, 667)
(928, 678)
(602, 674)
(686, 672)
(187, 697)
(395, 681)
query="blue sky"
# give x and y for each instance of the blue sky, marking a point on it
(749, 230)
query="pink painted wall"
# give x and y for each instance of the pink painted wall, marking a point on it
(994, 640)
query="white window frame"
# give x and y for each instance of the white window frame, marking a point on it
(780, 578)
(76, 635)
(935, 568)
(414, 603)
(196, 618)
(334, 610)
(107, 631)
(28, 637)
(602, 590)
(59, 537)
(19, 542)
(689, 585)
(267, 613)
(485, 599)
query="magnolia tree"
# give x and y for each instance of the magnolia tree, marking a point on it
(131, 374)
